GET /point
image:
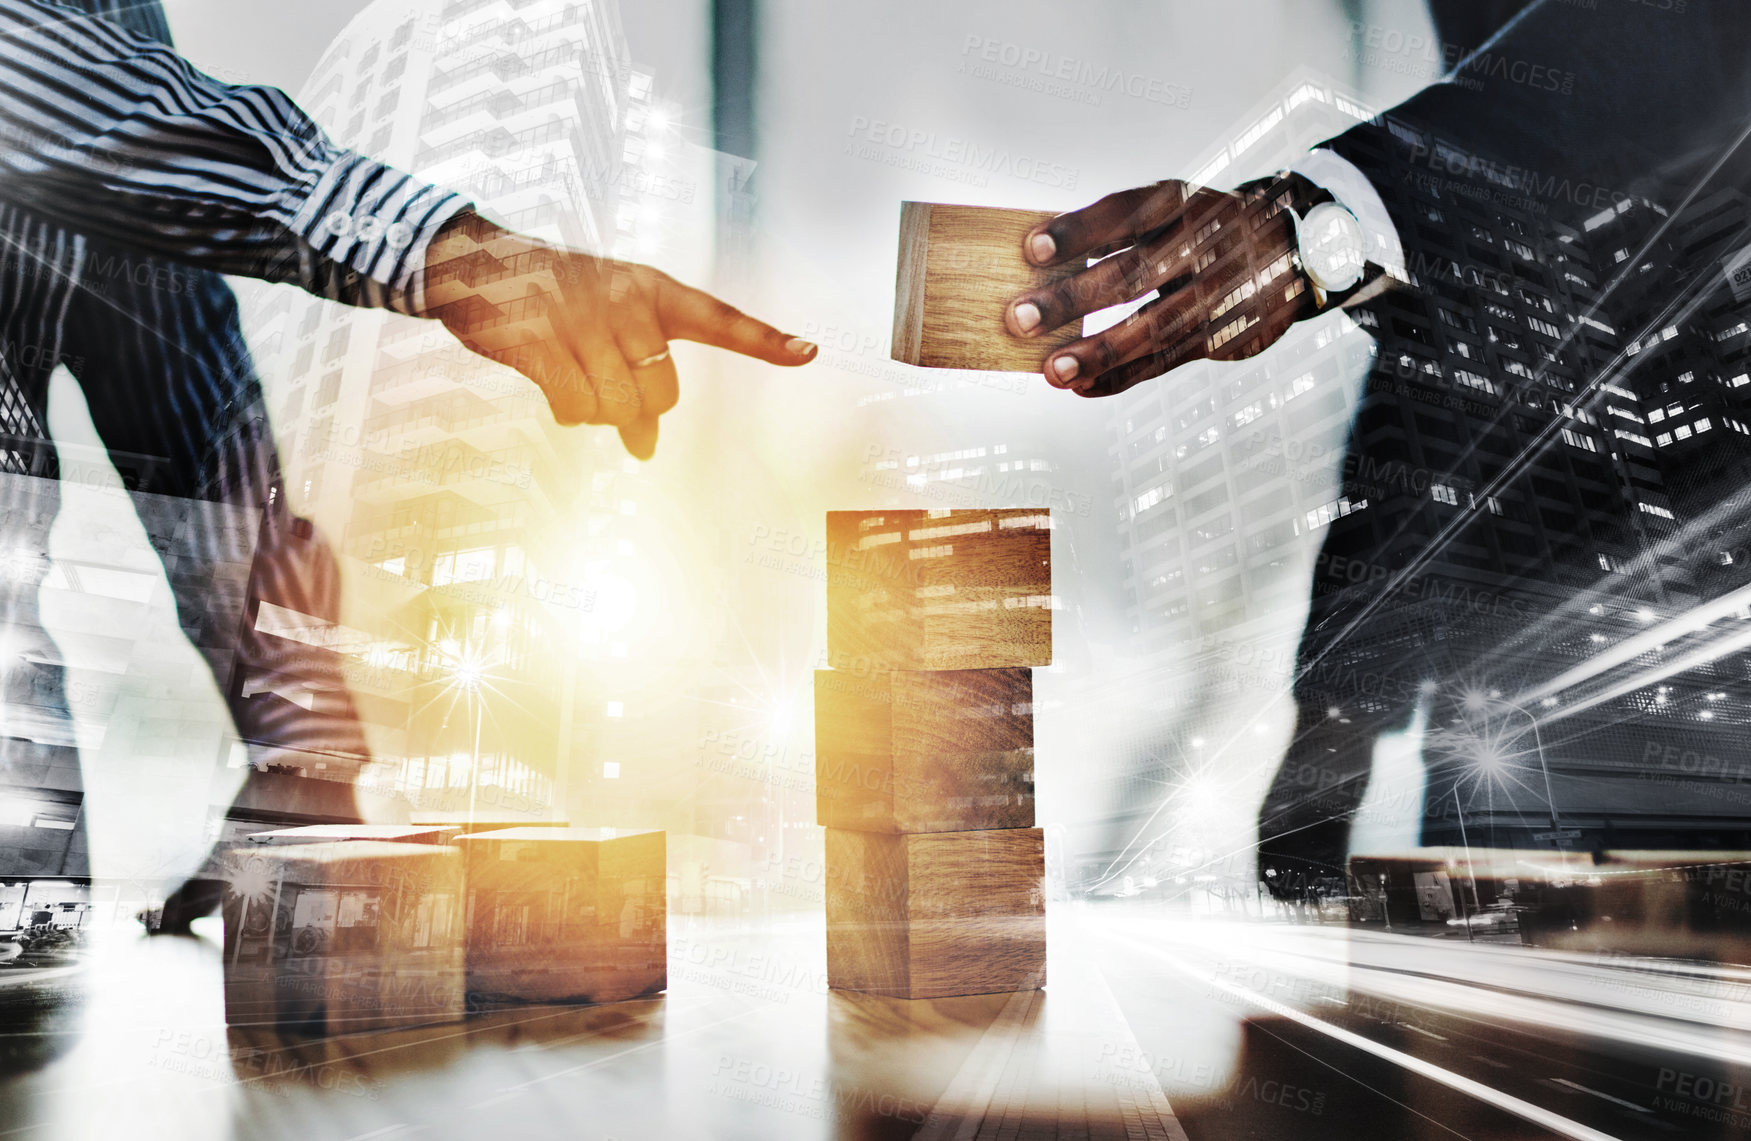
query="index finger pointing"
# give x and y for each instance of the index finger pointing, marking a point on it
(690, 314)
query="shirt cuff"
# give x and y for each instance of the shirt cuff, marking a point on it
(1355, 193)
(377, 222)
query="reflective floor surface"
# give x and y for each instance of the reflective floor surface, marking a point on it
(1154, 1024)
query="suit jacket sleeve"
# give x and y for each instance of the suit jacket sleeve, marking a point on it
(1575, 106)
(110, 133)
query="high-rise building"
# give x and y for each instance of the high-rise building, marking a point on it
(469, 522)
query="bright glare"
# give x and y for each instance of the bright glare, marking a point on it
(781, 713)
(1202, 795)
(615, 602)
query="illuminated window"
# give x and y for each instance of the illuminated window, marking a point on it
(463, 566)
(1151, 497)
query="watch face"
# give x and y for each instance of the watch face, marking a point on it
(1332, 249)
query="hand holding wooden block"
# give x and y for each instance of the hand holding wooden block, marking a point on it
(960, 266)
(939, 590)
(929, 751)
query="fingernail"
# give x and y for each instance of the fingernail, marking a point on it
(796, 346)
(1027, 316)
(1042, 247)
(1066, 367)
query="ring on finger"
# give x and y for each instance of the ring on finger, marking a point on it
(654, 358)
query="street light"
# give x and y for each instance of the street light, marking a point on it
(1470, 864)
(468, 675)
(1538, 740)
(1479, 702)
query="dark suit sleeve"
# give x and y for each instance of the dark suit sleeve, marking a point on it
(1576, 104)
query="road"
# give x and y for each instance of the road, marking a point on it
(1346, 1034)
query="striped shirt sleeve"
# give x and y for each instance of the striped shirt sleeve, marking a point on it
(111, 134)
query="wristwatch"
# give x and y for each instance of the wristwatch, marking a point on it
(1330, 247)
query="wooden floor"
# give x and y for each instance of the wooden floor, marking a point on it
(746, 1043)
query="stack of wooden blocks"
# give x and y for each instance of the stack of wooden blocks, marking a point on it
(924, 750)
(346, 928)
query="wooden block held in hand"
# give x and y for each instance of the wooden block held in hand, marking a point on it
(939, 590)
(960, 266)
(559, 914)
(924, 751)
(334, 938)
(939, 914)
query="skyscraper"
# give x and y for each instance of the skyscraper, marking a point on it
(467, 527)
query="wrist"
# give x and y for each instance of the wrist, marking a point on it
(469, 253)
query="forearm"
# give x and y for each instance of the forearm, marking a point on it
(111, 134)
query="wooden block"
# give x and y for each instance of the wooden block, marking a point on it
(939, 590)
(331, 833)
(960, 266)
(342, 937)
(938, 914)
(562, 914)
(930, 751)
(469, 822)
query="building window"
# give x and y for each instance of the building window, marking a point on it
(1150, 498)
(1473, 380)
(463, 566)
